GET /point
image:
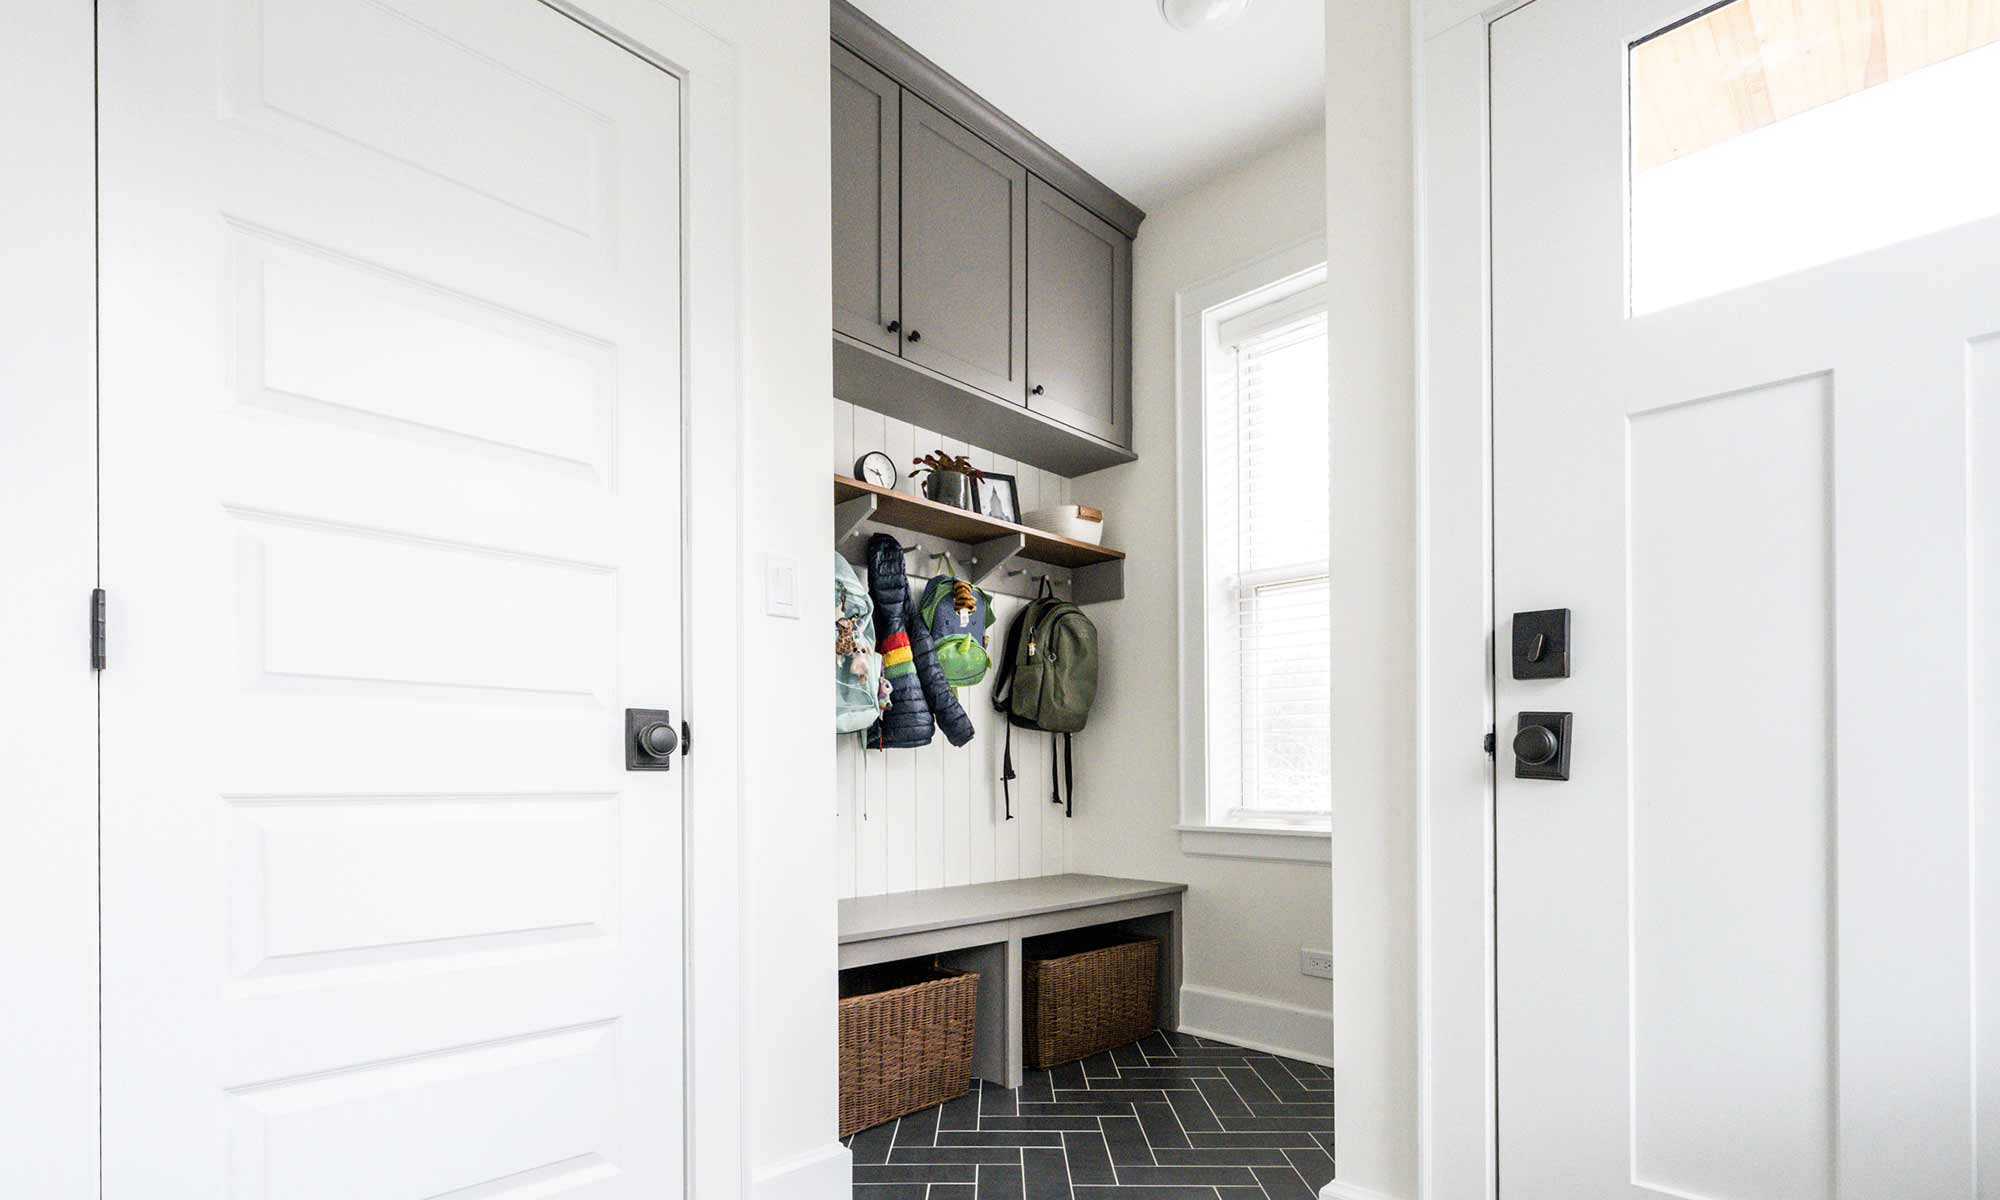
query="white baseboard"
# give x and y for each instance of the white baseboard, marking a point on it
(1348, 1191)
(825, 1174)
(1258, 1024)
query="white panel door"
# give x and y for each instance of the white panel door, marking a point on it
(391, 413)
(1735, 948)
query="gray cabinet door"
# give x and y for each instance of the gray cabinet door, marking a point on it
(867, 133)
(965, 255)
(1079, 317)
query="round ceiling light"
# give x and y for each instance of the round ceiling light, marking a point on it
(1200, 16)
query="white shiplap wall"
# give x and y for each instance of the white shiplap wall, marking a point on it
(926, 818)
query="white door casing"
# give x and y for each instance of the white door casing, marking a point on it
(1736, 950)
(391, 419)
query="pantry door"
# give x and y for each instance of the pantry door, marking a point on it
(391, 485)
(1736, 947)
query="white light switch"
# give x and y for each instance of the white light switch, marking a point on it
(781, 585)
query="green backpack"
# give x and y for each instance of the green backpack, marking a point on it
(1047, 681)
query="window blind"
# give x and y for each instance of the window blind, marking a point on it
(1267, 554)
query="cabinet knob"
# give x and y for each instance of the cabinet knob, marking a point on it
(1037, 390)
(915, 336)
(894, 326)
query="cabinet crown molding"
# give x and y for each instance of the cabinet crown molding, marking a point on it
(899, 60)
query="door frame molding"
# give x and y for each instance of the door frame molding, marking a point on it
(49, 351)
(1457, 1048)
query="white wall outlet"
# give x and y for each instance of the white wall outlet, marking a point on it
(1316, 963)
(781, 585)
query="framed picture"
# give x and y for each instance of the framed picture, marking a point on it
(999, 498)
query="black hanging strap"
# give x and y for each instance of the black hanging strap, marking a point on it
(1062, 774)
(1007, 773)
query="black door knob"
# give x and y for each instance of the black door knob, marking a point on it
(915, 336)
(658, 740)
(1037, 390)
(1535, 745)
(894, 326)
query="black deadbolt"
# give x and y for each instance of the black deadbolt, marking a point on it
(1541, 644)
(650, 739)
(1541, 746)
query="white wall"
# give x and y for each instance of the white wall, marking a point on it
(1246, 920)
(1370, 268)
(934, 817)
(788, 972)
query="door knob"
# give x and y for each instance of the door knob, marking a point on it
(658, 739)
(650, 739)
(1541, 746)
(1535, 745)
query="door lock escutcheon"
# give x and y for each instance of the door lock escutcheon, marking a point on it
(1541, 644)
(1541, 746)
(650, 739)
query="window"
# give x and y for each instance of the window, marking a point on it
(1770, 136)
(1257, 768)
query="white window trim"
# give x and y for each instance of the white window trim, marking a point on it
(1290, 270)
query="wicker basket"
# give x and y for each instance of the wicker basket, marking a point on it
(1082, 993)
(905, 1040)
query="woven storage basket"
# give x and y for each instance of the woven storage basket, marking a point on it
(1082, 993)
(905, 1040)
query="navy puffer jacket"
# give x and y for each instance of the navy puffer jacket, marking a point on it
(917, 687)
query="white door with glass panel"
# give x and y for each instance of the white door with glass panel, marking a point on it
(391, 413)
(1746, 381)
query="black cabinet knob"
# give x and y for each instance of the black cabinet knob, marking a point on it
(1535, 745)
(658, 740)
(1037, 390)
(915, 336)
(894, 326)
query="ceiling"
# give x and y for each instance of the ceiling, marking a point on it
(1147, 109)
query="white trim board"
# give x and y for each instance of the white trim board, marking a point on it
(823, 1174)
(1336, 1190)
(1456, 1045)
(48, 540)
(1255, 1023)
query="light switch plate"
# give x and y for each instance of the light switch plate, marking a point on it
(781, 585)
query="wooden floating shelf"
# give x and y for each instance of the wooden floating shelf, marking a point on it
(1098, 573)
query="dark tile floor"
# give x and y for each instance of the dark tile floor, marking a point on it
(1171, 1117)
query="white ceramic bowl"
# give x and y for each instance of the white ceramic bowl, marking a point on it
(1066, 520)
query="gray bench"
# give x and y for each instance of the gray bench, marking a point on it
(980, 927)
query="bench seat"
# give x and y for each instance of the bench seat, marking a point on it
(981, 927)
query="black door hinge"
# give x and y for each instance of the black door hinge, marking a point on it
(687, 740)
(1489, 741)
(97, 629)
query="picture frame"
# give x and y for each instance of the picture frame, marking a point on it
(999, 497)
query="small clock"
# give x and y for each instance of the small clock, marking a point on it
(877, 468)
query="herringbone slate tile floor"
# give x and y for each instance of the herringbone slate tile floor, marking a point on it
(1169, 1117)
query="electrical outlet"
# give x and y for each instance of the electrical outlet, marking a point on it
(1316, 963)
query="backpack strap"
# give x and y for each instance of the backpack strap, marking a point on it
(1003, 679)
(1066, 779)
(1007, 773)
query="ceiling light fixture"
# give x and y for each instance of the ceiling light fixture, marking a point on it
(1202, 16)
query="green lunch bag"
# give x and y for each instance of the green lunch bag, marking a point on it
(957, 614)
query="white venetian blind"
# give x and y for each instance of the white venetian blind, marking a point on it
(1267, 559)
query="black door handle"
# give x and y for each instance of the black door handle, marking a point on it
(1535, 745)
(651, 738)
(1541, 746)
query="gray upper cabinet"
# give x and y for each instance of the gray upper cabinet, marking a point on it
(867, 194)
(1079, 317)
(965, 255)
(982, 282)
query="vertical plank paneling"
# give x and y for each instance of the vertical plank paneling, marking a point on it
(843, 438)
(933, 817)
